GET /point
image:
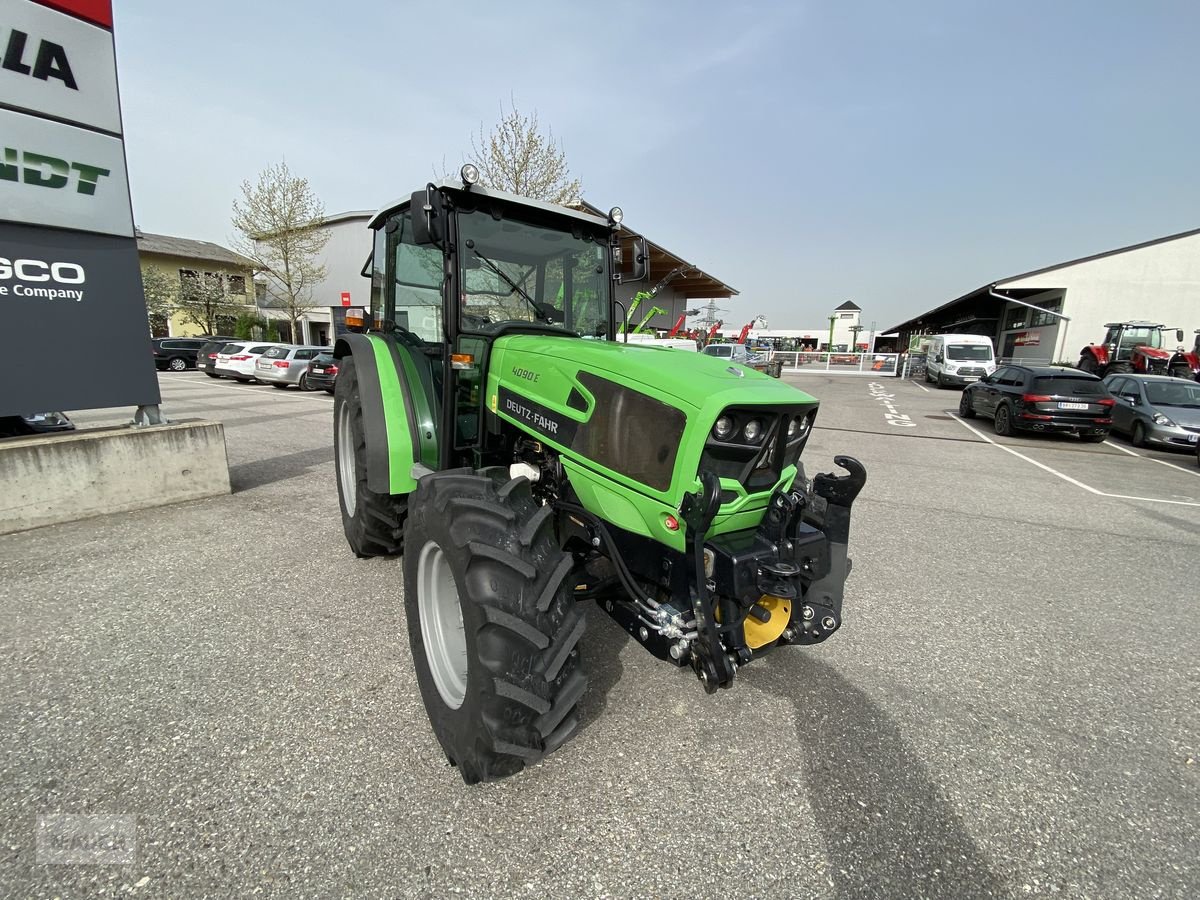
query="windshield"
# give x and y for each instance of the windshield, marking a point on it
(1137, 337)
(1068, 384)
(513, 271)
(1161, 393)
(968, 352)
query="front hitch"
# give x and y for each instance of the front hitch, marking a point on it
(821, 612)
(709, 660)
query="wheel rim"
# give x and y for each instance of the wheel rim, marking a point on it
(1002, 419)
(442, 629)
(177, 365)
(1139, 434)
(347, 477)
(963, 405)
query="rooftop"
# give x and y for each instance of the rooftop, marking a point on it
(166, 245)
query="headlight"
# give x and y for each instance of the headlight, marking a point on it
(753, 431)
(724, 428)
(469, 174)
(615, 215)
(799, 426)
(1160, 419)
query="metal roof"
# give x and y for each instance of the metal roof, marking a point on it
(982, 291)
(453, 184)
(166, 245)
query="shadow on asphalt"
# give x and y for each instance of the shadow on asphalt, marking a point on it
(249, 475)
(888, 832)
(601, 649)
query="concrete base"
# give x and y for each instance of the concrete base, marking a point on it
(45, 480)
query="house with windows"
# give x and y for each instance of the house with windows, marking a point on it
(181, 259)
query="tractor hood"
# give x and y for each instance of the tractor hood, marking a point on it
(688, 378)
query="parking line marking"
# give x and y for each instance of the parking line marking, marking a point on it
(921, 386)
(1067, 478)
(1122, 449)
(1161, 462)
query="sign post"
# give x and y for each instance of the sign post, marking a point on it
(68, 256)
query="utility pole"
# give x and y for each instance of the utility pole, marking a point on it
(832, 320)
(855, 330)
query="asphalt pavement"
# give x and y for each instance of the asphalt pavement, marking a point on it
(1010, 709)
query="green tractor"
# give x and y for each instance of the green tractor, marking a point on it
(488, 426)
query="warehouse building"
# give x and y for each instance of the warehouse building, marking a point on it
(1050, 314)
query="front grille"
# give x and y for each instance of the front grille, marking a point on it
(756, 466)
(971, 370)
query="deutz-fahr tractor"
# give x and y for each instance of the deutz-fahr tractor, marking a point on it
(1186, 363)
(528, 466)
(1130, 348)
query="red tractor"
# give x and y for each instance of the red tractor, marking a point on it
(1129, 347)
(1185, 363)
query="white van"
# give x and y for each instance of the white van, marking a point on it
(958, 358)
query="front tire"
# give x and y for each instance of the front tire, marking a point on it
(1003, 421)
(965, 408)
(1120, 368)
(303, 382)
(1138, 436)
(492, 621)
(373, 523)
(175, 364)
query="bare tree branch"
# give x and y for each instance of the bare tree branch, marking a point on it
(278, 220)
(516, 156)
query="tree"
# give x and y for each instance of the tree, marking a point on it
(204, 303)
(279, 219)
(162, 295)
(517, 157)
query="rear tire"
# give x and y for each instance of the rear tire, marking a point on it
(212, 374)
(1087, 363)
(1120, 368)
(1138, 436)
(499, 675)
(965, 408)
(1003, 421)
(1093, 438)
(177, 364)
(373, 523)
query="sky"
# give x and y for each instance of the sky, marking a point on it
(806, 153)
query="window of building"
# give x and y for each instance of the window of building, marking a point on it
(186, 275)
(237, 284)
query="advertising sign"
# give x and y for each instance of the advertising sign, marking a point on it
(1027, 339)
(56, 65)
(61, 175)
(70, 282)
(345, 298)
(63, 297)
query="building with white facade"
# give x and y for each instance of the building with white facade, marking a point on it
(1157, 281)
(844, 322)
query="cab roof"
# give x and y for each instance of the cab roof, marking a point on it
(456, 186)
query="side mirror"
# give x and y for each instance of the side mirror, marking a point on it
(428, 216)
(640, 262)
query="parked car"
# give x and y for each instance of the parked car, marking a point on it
(206, 359)
(176, 354)
(1041, 398)
(322, 373)
(35, 423)
(281, 366)
(236, 359)
(957, 358)
(733, 352)
(1156, 409)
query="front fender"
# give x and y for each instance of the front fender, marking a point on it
(1098, 351)
(389, 422)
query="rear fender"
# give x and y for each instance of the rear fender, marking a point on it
(389, 421)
